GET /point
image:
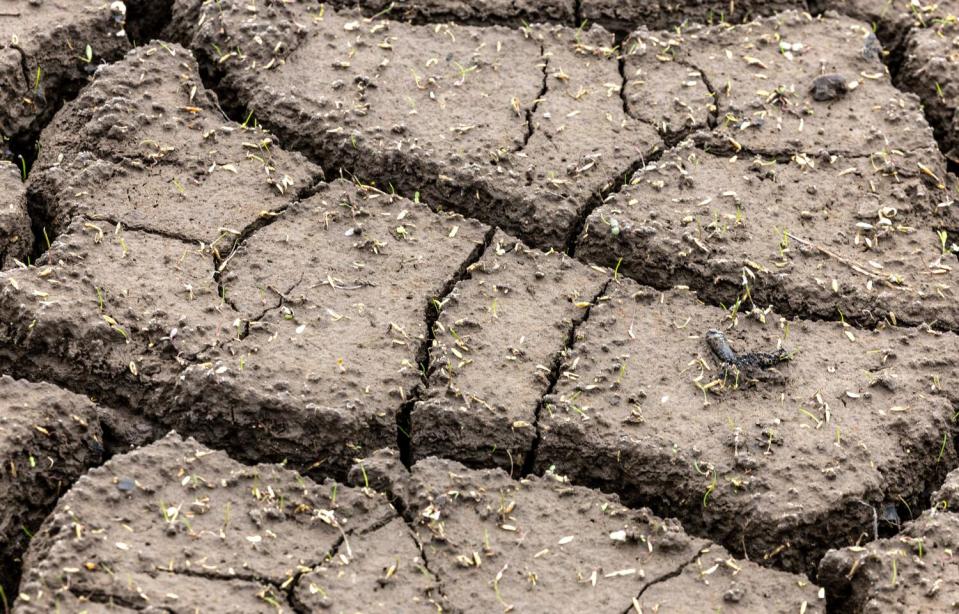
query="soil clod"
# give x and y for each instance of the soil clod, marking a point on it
(829, 87)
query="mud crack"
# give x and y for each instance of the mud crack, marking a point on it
(713, 120)
(616, 186)
(289, 587)
(555, 372)
(634, 606)
(404, 420)
(531, 112)
(220, 261)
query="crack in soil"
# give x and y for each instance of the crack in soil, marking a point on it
(269, 585)
(212, 574)
(291, 585)
(404, 420)
(38, 210)
(282, 300)
(146, 21)
(104, 598)
(426, 561)
(406, 514)
(616, 186)
(784, 156)
(618, 41)
(291, 590)
(634, 606)
(713, 119)
(220, 262)
(555, 371)
(156, 232)
(531, 112)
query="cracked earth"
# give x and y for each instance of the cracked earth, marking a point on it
(375, 306)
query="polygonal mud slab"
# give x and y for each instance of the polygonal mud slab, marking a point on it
(625, 15)
(915, 571)
(717, 582)
(540, 545)
(16, 236)
(47, 51)
(381, 570)
(48, 438)
(552, 136)
(146, 145)
(930, 68)
(179, 527)
(112, 312)
(337, 292)
(497, 343)
(792, 83)
(661, 89)
(780, 463)
(892, 19)
(815, 237)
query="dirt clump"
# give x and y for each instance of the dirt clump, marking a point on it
(333, 301)
(113, 313)
(177, 526)
(48, 439)
(763, 73)
(382, 571)
(48, 50)
(662, 89)
(779, 463)
(911, 572)
(823, 237)
(626, 15)
(540, 544)
(515, 13)
(147, 146)
(930, 68)
(892, 19)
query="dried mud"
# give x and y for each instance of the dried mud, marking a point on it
(563, 306)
